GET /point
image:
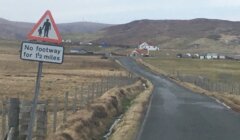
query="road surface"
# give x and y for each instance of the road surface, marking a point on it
(176, 113)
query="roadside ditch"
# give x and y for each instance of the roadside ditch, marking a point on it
(94, 121)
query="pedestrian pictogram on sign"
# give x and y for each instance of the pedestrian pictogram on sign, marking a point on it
(45, 30)
(43, 46)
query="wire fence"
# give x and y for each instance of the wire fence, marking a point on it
(220, 86)
(59, 108)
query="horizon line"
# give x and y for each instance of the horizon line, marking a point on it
(172, 19)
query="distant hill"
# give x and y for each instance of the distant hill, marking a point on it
(13, 30)
(163, 32)
(18, 30)
(81, 27)
(206, 34)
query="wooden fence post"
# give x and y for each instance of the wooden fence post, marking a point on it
(114, 80)
(75, 101)
(130, 78)
(238, 89)
(81, 94)
(13, 116)
(41, 121)
(121, 81)
(12, 133)
(24, 117)
(88, 92)
(93, 92)
(55, 109)
(101, 86)
(98, 89)
(104, 84)
(108, 83)
(40, 129)
(4, 127)
(65, 108)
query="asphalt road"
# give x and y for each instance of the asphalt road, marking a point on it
(176, 113)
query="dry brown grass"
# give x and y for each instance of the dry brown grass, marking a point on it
(130, 124)
(92, 122)
(231, 100)
(214, 70)
(17, 77)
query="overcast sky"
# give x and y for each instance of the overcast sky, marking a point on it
(119, 11)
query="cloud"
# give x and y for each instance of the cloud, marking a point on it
(223, 3)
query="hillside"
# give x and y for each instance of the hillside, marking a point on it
(197, 34)
(171, 33)
(18, 30)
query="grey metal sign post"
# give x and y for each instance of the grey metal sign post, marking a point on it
(41, 52)
(47, 50)
(35, 101)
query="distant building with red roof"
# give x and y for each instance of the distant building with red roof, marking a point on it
(140, 52)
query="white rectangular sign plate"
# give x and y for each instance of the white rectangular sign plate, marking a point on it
(42, 52)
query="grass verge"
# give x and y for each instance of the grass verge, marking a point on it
(93, 121)
(128, 127)
(229, 99)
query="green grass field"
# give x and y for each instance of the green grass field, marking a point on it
(214, 70)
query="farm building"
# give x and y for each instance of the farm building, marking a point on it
(82, 52)
(221, 57)
(202, 57)
(140, 52)
(196, 55)
(68, 41)
(211, 56)
(179, 55)
(187, 55)
(78, 51)
(148, 47)
(233, 57)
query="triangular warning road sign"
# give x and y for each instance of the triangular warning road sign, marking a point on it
(45, 30)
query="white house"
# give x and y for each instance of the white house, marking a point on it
(196, 55)
(78, 51)
(212, 56)
(188, 55)
(148, 47)
(222, 57)
(89, 43)
(68, 41)
(201, 56)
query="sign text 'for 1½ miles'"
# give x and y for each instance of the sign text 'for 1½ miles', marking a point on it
(42, 52)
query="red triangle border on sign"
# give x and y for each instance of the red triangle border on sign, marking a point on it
(57, 41)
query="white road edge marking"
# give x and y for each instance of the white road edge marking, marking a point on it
(222, 103)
